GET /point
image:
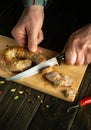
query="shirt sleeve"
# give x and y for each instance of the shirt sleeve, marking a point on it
(35, 2)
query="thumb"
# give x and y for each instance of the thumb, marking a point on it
(70, 57)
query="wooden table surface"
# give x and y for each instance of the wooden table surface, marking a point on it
(22, 108)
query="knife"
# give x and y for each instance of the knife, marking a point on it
(36, 69)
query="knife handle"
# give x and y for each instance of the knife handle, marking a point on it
(60, 57)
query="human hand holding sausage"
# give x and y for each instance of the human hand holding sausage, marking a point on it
(28, 30)
(78, 47)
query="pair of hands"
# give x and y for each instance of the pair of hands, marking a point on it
(28, 32)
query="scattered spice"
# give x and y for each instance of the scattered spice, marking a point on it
(47, 106)
(2, 82)
(27, 92)
(29, 100)
(13, 90)
(16, 97)
(41, 101)
(38, 96)
(20, 92)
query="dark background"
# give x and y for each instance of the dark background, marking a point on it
(62, 18)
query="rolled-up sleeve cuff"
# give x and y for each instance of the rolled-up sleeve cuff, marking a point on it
(35, 2)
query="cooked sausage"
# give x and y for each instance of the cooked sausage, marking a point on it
(56, 78)
(17, 59)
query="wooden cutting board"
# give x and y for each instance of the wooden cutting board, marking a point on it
(38, 82)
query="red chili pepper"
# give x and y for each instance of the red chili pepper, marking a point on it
(85, 101)
(82, 102)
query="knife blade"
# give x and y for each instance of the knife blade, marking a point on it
(36, 69)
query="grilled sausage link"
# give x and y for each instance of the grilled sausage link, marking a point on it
(17, 59)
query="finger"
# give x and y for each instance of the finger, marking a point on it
(32, 40)
(88, 56)
(87, 59)
(40, 50)
(40, 37)
(21, 40)
(19, 37)
(70, 57)
(80, 58)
